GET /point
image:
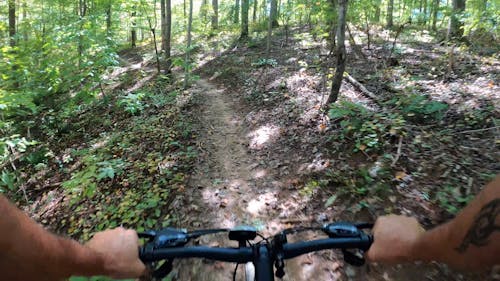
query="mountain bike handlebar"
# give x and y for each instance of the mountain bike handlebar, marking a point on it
(168, 244)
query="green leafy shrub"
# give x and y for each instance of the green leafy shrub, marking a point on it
(132, 103)
(419, 107)
(366, 128)
(265, 62)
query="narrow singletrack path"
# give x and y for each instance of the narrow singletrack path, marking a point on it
(228, 188)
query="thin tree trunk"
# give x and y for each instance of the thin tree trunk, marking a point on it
(455, 26)
(133, 31)
(269, 33)
(390, 10)
(25, 19)
(188, 47)
(163, 24)
(236, 16)
(376, 18)
(12, 22)
(254, 16)
(340, 53)
(435, 10)
(215, 15)
(168, 36)
(244, 18)
(274, 13)
(82, 9)
(203, 10)
(108, 17)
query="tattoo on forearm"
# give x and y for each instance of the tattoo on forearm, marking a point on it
(483, 226)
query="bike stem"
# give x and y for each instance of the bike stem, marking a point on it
(263, 263)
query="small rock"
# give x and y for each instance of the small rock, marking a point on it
(350, 272)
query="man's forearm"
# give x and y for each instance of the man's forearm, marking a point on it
(472, 239)
(35, 252)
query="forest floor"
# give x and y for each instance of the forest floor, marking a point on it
(248, 143)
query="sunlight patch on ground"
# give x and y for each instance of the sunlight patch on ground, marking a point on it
(259, 174)
(258, 204)
(263, 135)
(317, 165)
(100, 144)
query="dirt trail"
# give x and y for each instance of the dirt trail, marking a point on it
(230, 189)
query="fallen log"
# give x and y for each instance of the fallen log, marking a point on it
(360, 87)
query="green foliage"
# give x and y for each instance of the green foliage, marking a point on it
(13, 144)
(366, 128)
(452, 199)
(420, 107)
(8, 180)
(265, 62)
(132, 103)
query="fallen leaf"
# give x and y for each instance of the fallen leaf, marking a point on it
(400, 175)
(321, 127)
(491, 84)
(223, 203)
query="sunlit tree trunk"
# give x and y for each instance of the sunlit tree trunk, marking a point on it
(390, 10)
(340, 53)
(244, 18)
(166, 29)
(455, 26)
(215, 15)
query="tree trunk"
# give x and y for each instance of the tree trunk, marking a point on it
(390, 10)
(188, 47)
(133, 31)
(25, 19)
(269, 33)
(254, 16)
(376, 17)
(455, 26)
(236, 16)
(425, 12)
(166, 31)
(244, 19)
(163, 24)
(340, 53)
(12, 22)
(82, 10)
(108, 17)
(435, 9)
(203, 11)
(215, 15)
(168, 36)
(274, 13)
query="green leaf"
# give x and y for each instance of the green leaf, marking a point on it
(106, 172)
(330, 201)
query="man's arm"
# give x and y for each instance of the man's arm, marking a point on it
(471, 241)
(29, 252)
